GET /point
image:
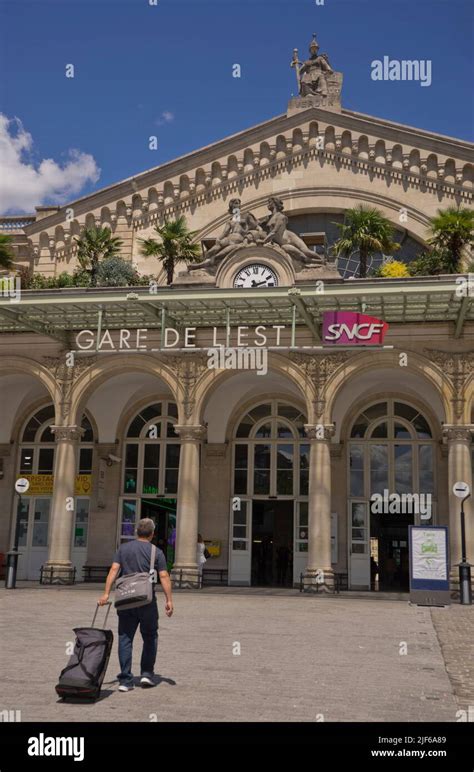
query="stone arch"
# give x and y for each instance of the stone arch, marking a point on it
(468, 175)
(281, 147)
(232, 167)
(108, 366)
(313, 134)
(417, 365)
(414, 161)
(329, 138)
(210, 381)
(432, 166)
(23, 365)
(216, 173)
(346, 143)
(397, 157)
(450, 171)
(380, 152)
(297, 140)
(153, 198)
(265, 154)
(248, 160)
(363, 147)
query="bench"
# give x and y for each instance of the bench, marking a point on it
(213, 577)
(95, 573)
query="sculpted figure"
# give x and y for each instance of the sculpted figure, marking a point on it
(312, 73)
(277, 233)
(240, 229)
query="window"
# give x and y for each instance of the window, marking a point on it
(391, 448)
(152, 452)
(270, 458)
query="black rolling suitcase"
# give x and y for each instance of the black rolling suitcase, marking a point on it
(83, 675)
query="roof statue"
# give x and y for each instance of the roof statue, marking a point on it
(318, 84)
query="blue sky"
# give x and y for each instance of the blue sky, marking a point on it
(166, 70)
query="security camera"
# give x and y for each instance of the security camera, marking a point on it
(110, 459)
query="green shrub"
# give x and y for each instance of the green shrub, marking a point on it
(116, 272)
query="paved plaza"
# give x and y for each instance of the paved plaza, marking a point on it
(302, 658)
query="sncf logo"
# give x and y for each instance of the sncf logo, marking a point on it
(350, 329)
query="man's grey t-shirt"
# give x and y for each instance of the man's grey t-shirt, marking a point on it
(134, 557)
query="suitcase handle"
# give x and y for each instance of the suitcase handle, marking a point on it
(108, 604)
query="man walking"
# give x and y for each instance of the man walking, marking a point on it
(134, 557)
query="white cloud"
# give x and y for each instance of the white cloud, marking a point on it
(25, 184)
(165, 117)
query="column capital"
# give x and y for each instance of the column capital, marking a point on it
(190, 433)
(456, 433)
(320, 432)
(67, 433)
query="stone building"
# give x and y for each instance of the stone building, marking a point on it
(273, 453)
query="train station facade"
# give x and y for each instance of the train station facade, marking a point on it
(226, 404)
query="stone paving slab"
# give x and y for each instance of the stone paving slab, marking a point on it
(303, 658)
(455, 630)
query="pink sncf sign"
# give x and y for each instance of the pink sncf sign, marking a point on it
(346, 328)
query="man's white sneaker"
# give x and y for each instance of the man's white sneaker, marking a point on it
(125, 688)
(146, 682)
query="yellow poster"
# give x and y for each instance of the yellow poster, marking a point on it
(42, 484)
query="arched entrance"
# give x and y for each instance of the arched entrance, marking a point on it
(391, 484)
(37, 448)
(269, 518)
(149, 483)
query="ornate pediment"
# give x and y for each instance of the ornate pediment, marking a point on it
(245, 241)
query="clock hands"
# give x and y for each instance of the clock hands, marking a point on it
(258, 283)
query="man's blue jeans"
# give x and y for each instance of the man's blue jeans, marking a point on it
(147, 618)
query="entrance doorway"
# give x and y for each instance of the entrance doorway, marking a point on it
(272, 543)
(163, 514)
(389, 560)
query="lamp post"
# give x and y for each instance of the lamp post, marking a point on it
(463, 492)
(21, 486)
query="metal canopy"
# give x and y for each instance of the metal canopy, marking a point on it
(56, 312)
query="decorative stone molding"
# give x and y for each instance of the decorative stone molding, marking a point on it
(319, 368)
(458, 367)
(188, 370)
(67, 433)
(457, 433)
(190, 433)
(320, 432)
(65, 377)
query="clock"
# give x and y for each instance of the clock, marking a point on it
(256, 275)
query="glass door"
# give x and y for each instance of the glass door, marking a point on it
(359, 552)
(38, 533)
(240, 541)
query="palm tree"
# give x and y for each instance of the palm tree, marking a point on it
(96, 244)
(176, 244)
(6, 251)
(367, 231)
(451, 231)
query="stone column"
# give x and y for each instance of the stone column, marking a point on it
(185, 570)
(62, 513)
(459, 470)
(319, 574)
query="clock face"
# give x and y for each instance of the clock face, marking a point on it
(256, 275)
